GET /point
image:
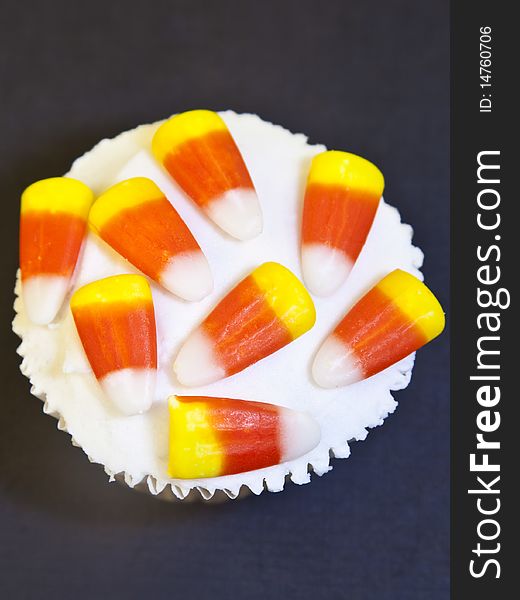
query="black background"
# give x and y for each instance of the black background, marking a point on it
(370, 77)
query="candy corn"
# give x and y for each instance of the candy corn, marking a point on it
(210, 437)
(116, 324)
(197, 150)
(137, 220)
(341, 199)
(395, 318)
(264, 312)
(52, 227)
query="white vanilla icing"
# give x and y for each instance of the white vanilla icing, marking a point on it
(137, 447)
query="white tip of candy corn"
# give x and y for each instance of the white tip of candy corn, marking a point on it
(195, 363)
(335, 366)
(324, 269)
(300, 433)
(130, 390)
(43, 296)
(188, 276)
(238, 213)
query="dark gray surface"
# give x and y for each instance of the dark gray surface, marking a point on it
(371, 77)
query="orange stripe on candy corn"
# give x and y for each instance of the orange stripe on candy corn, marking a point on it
(242, 316)
(50, 243)
(338, 217)
(113, 336)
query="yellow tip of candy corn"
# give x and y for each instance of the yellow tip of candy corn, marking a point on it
(121, 196)
(335, 167)
(58, 194)
(287, 296)
(117, 288)
(415, 300)
(194, 448)
(182, 127)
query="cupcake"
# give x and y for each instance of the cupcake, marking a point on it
(210, 305)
